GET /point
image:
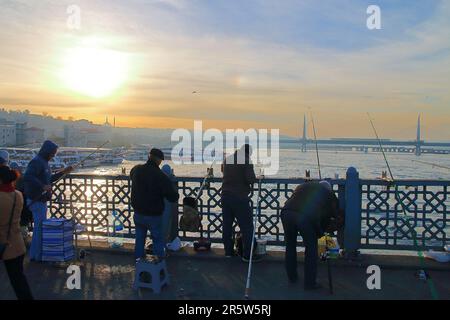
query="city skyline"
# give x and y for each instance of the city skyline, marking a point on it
(259, 64)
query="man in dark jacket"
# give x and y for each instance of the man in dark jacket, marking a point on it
(37, 181)
(148, 189)
(238, 180)
(312, 210)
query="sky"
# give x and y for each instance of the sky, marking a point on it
(232, 64)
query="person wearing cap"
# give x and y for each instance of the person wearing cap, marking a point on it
(149, 187)
(312, 210)
(4, 158)
(37, 182)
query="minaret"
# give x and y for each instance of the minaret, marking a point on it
(114, 121)
(304, 134)
(418, 142)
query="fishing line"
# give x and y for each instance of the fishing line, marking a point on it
(317, 147)
(430, 283)
(74, 166)
(250, 261)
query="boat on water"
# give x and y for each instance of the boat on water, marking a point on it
(140, 153)
(69, 156)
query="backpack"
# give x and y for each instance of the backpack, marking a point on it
(190, 220)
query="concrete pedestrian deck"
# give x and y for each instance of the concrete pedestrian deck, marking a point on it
(109, 275)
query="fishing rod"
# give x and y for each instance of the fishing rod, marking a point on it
(77, 164)
(250, 261)
(207, 176)
(21, 145)
(327, 258)
(203, 244)
(73, 166)
(432, 164)
(317, 147)
(381, 146)
(397, 197)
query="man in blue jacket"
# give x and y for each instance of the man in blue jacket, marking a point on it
(37, 180)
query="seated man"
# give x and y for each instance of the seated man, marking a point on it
(312, 210)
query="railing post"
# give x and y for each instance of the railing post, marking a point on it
(352, 233)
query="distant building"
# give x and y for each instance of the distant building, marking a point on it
(34, 135)
(73, 137)
(20, 133)
(7, 133)
(85, 137)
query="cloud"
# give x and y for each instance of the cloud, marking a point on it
(253, 61)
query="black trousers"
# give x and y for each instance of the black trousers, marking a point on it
(234, 207)
(293, 224)
(14, 268)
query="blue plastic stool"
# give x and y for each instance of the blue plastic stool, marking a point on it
(157, 270)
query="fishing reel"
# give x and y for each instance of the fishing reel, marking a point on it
(209, 175)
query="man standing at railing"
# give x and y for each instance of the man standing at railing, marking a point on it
(238, 180)
(37, 181)
(312, 210)
(149, 187)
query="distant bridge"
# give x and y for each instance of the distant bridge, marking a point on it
(416, 147)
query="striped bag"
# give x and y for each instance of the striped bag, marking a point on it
(57, 240)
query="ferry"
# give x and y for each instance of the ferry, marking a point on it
(69, 156)
(140, 153)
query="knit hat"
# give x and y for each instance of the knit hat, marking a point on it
(4, 157)
(157, 153)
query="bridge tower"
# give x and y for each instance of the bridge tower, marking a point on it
(418, 141)
(304, 138)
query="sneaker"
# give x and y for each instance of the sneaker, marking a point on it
(255, 258)
(230, 255)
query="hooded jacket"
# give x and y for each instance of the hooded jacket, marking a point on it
(38, 174)
(4, 157)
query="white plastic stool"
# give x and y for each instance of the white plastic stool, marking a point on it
(159, 276)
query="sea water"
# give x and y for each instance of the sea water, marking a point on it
(294, 163)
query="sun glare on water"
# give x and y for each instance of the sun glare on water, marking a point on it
(95, 72)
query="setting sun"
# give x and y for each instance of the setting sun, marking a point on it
(94, 72)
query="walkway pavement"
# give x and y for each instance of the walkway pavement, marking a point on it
(109, 275)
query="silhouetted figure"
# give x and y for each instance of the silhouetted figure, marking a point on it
(312, 210)
(238, 180)
(150, 186)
